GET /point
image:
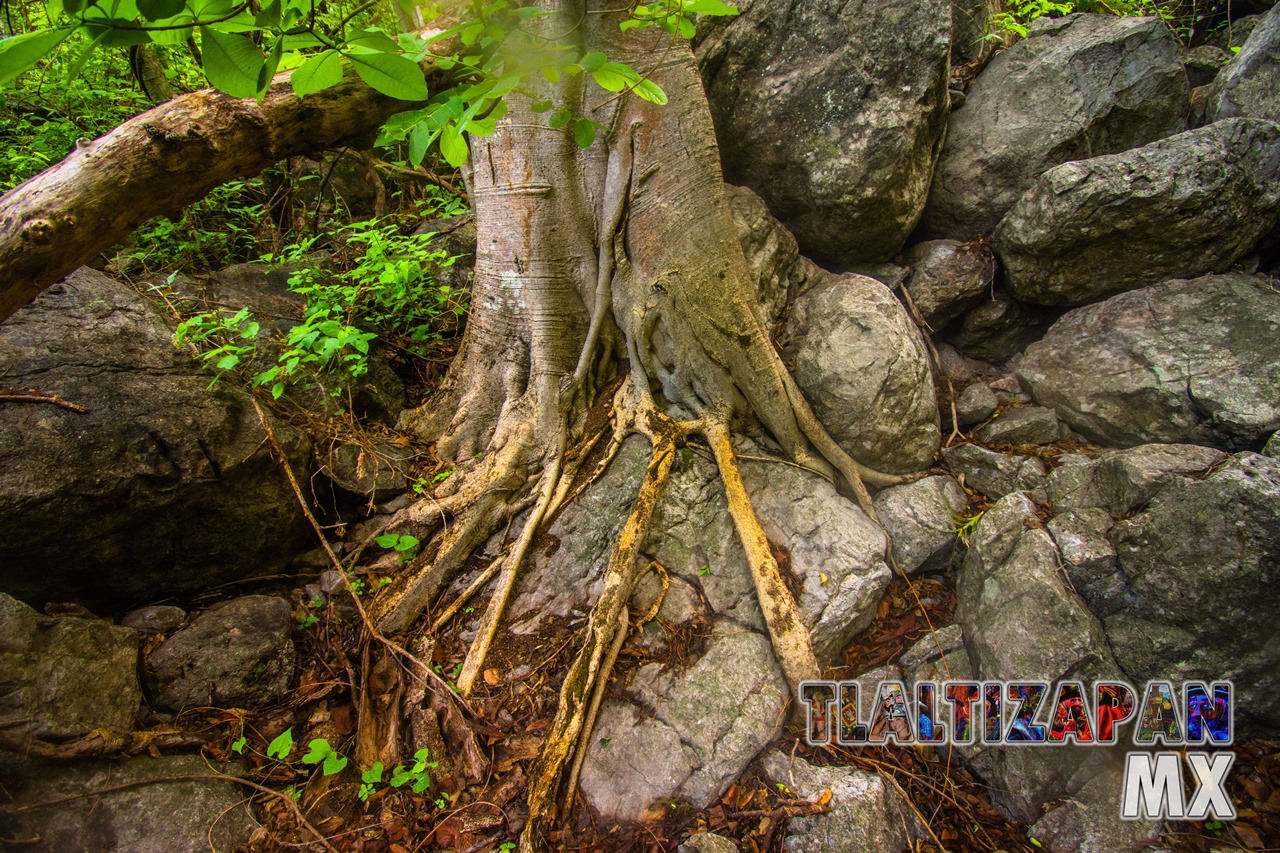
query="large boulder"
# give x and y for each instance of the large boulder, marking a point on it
(1202, 563)
(159, 487)
(237, 654)
(862, 363)
(1078, 86)
(65, 677)
(1250, 85)
(170, 804)
(948, 278)
(1191, 204)
(770, 250)
(1184, 361)
(834, 113)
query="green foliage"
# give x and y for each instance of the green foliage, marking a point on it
(281, 747)
(1188, 20)
(406, 545)
(330, 760)
(964, 525)
(386, 288)
(417, 775)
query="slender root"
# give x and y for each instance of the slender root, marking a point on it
(597, 696)
(479, 650)
(608, 619)
(457, 604)
(790, 637)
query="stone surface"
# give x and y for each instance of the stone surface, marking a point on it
(861, 93)
(1272, 447)
(1203, 63)
(1121, 481)
(379, 472)
(1191, 204)
(1021, 621)
(1090, 559)
(117, 505)
(1027, 425)
(770, 249)
(863, 366)
(999, 327)
(1203, 566)
(1089, 820)
(948, 278)
(701, 728)
(1192, 361)
(994, 474)
(237, 654)
(155, 618)
(975, 404)
(65, 677)
(865, 813)
(1250, 84)
(920, 519)
(189, 816)
(939, 657)
(1078, 86)
(707, 842)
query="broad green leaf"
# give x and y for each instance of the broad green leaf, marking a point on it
(109, 34)
(317, 750)
(269, 17)
(584, 132)
(387, 540)
(374, 40)
(333, 763)
(155, 10)
(482, 126)
(269, 67)
(231, 62)
(281, 746)
(76, 67)
(19, 53)
(650, 91)
(686, 28)
(453, 146)
(592, 61)
(407, 543)
(391, 74)
(551, 73)
(559, 119)
(541, 106)
(709, 7)
(373, 775)
(317, 73)
(610, 80)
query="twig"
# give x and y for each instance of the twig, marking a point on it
(33, 396)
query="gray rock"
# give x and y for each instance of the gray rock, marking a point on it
(237, 654)
(1202, 564)
(948, 278)
(160, 816)
(862, 95)
(1192, 361)
(970, 24)
(939, 657)
(1121, 481)
(1022, 622)
(707, 842)
(999, 327)
(700, 730)
(1090, 559)
(1077, 87)
(116, 505)
(155, 618)
(1273, 446)
(770, 249)
(62, 678)
(863, 365)
(975, 404)
(1088, 821)
(865, 813)
(380, 472)
(920, 520)
(1250, 84)
(1191, 204)
(1027, 425)
(992, 473)
(1203, 63)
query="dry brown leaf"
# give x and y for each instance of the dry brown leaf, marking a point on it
(491, 677)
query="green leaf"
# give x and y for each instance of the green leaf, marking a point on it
(391, 74)
(19, 53)
(333, 763)
(708, 7)
(559, 119)
(375, 40)
(231, 62)
(373, 775)
(650, 91)
(155, 10)
(584, 132)
(269, 67)
(541, 106)
(453, 146)
(317, 750)
(317, 73)
(228, 361)
(406, 543)
(238, 746)
(388, 540)
(281, 746)
(592, 61)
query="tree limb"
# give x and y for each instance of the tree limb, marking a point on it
(160, 161)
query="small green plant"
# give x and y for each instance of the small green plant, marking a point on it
(307, 621)
(704, 571)
(963, 525)
(506, 847)
(417, 775)
(1021, 13)
(281, 746)
(405, 544)
(320, 752)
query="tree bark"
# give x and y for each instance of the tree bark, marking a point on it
(161, 161)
